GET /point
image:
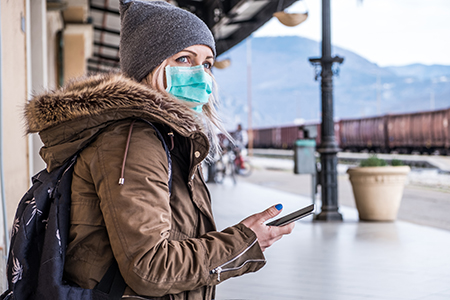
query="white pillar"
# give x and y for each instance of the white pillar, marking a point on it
(39, 70)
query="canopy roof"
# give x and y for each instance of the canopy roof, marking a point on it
(230, 21)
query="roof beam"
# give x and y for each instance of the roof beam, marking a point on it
(106, 45)
(107, 30)
(107, 57)
(104, 9)
(103, 62)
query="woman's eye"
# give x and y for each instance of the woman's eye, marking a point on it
(207, 65)
(182, 59)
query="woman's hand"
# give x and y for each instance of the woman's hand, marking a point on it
(267, 235)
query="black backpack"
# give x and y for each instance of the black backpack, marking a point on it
(39, 240)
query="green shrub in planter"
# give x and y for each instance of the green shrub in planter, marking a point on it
(396, 163)
(373, 161)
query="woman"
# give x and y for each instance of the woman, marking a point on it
(162, 236)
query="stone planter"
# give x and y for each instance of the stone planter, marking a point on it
(378, 191)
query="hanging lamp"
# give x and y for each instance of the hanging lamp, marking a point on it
(222, 64)
(289, 19)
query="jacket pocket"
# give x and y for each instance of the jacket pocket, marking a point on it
(236, 264)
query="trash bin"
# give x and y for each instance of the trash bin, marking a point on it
(304, 156)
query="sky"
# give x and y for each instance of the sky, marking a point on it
(386, 32)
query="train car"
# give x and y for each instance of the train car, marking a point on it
(424, 132)
(284, 137)
(421, 133)
(399, 133)
(263, 138)
(350, 135)
(440, 130)
(288, 136)
(280, 137)
(373, 133)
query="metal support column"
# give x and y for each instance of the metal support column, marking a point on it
(328, 147)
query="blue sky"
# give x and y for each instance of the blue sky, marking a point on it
(386, 32)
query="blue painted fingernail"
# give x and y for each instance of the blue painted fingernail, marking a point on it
(279, 206)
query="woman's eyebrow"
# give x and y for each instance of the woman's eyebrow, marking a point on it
(195, 54)
(192, 52)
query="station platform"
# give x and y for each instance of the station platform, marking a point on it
(334, 260)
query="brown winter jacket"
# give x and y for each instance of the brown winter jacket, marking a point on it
(165, 244)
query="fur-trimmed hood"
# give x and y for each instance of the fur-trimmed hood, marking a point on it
(76, 112)
(91, 96)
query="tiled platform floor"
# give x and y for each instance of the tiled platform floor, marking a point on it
(333, 261)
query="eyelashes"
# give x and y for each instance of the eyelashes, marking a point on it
(186, 60)
(182, 59)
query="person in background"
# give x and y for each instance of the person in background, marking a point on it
(240, 143)
(130, 202)
(241, 138)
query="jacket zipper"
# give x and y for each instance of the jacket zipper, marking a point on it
(220, 269)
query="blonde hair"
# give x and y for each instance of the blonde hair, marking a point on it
(210, 118)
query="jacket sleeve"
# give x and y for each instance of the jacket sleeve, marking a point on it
(137, 215)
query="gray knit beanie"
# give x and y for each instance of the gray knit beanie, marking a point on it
(152, 31)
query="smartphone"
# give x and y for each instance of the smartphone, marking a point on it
(296, 215)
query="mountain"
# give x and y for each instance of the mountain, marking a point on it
(284, 90)
(421, 72)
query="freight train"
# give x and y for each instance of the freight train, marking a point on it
(423, 132)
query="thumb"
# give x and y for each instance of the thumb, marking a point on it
(271, 212)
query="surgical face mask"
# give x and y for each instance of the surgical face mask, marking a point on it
(190, 84)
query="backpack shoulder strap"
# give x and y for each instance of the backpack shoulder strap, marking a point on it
(166, 149)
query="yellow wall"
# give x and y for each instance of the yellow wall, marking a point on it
(78, 40)
(20, 152)
(15, 143)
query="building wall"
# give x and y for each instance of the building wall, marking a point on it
(14, 94)
(31, 65)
